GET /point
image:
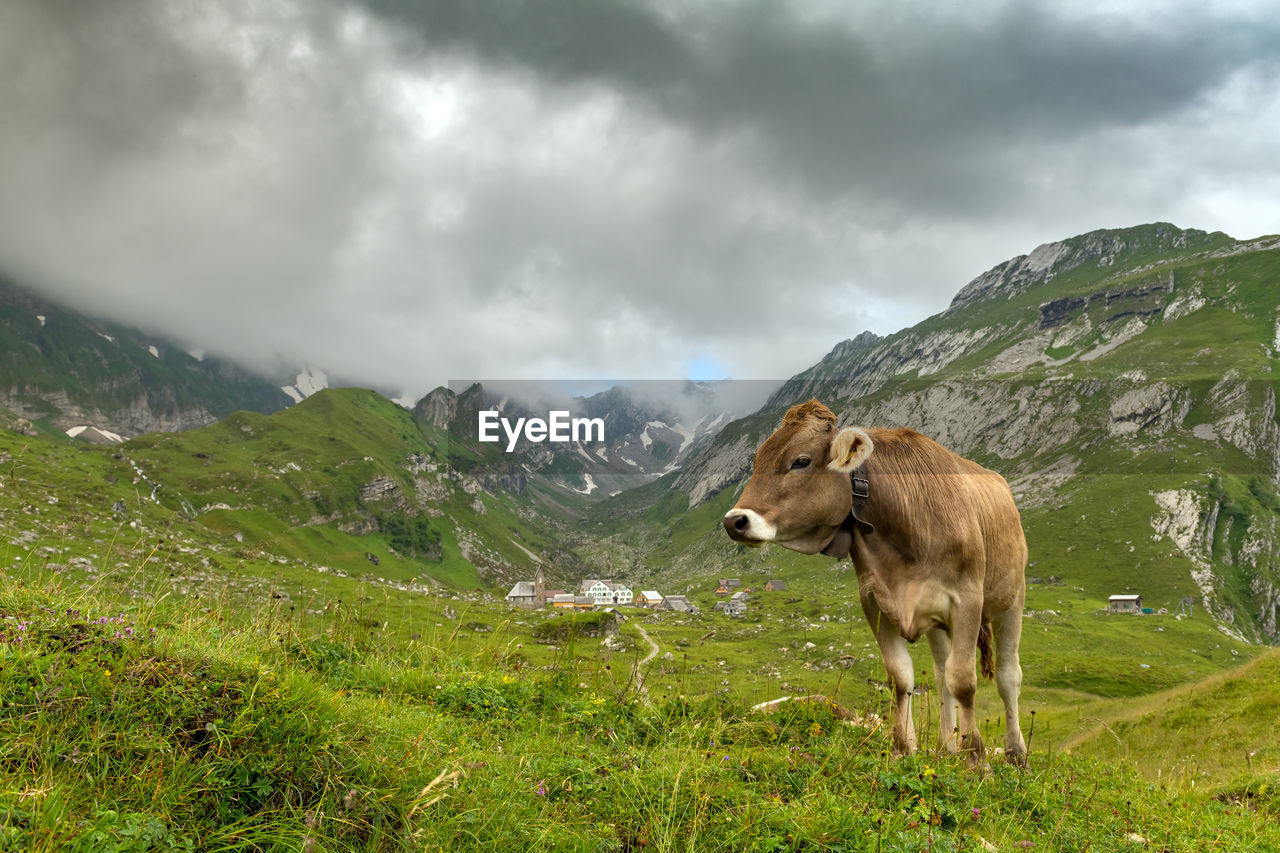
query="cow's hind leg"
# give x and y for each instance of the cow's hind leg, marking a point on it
(940, 646)
(1008, 628)
(897, 663)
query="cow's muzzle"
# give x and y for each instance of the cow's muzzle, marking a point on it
(747, 526)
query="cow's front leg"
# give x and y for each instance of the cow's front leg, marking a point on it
(962, 681)
(1008, 628)
(940, 646)
(898, 666)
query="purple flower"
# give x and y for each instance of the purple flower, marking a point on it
(541, 788)
(977, 812)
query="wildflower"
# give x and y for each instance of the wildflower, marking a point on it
(540, 788)
(929, 773)
(977, 812)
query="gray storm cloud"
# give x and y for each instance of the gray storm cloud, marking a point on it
(404, 193)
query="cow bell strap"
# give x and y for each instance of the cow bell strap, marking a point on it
(842, 543)
(861, 492)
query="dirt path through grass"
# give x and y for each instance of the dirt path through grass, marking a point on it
(653, 645)
(653, 653)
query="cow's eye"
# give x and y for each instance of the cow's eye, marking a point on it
(801, 462)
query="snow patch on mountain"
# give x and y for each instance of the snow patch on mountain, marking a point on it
(645, 438)
(687, 436)
(308, 382)
(91, 433)
(591, 487)
(153, 351)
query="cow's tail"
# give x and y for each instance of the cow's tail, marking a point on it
(984, 649)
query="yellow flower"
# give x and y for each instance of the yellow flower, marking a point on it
(929, 773)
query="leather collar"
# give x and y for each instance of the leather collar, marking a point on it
(842, 543)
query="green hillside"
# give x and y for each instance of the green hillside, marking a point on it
(345, 481)
(1218, 732)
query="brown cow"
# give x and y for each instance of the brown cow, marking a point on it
(937, 543)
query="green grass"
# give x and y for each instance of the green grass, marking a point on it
(151, 729)
(1216, 733)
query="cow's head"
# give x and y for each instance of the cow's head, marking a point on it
(799, 493)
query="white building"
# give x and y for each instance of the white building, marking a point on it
(607, 592)
(1125, 604)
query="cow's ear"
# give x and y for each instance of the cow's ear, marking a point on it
(849, 449)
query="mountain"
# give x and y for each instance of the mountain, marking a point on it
(1121, 380)
(646, 429)
(67, 372)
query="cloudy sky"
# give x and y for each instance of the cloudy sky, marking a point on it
(403, 193)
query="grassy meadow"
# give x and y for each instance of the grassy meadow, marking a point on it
(150, 727)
